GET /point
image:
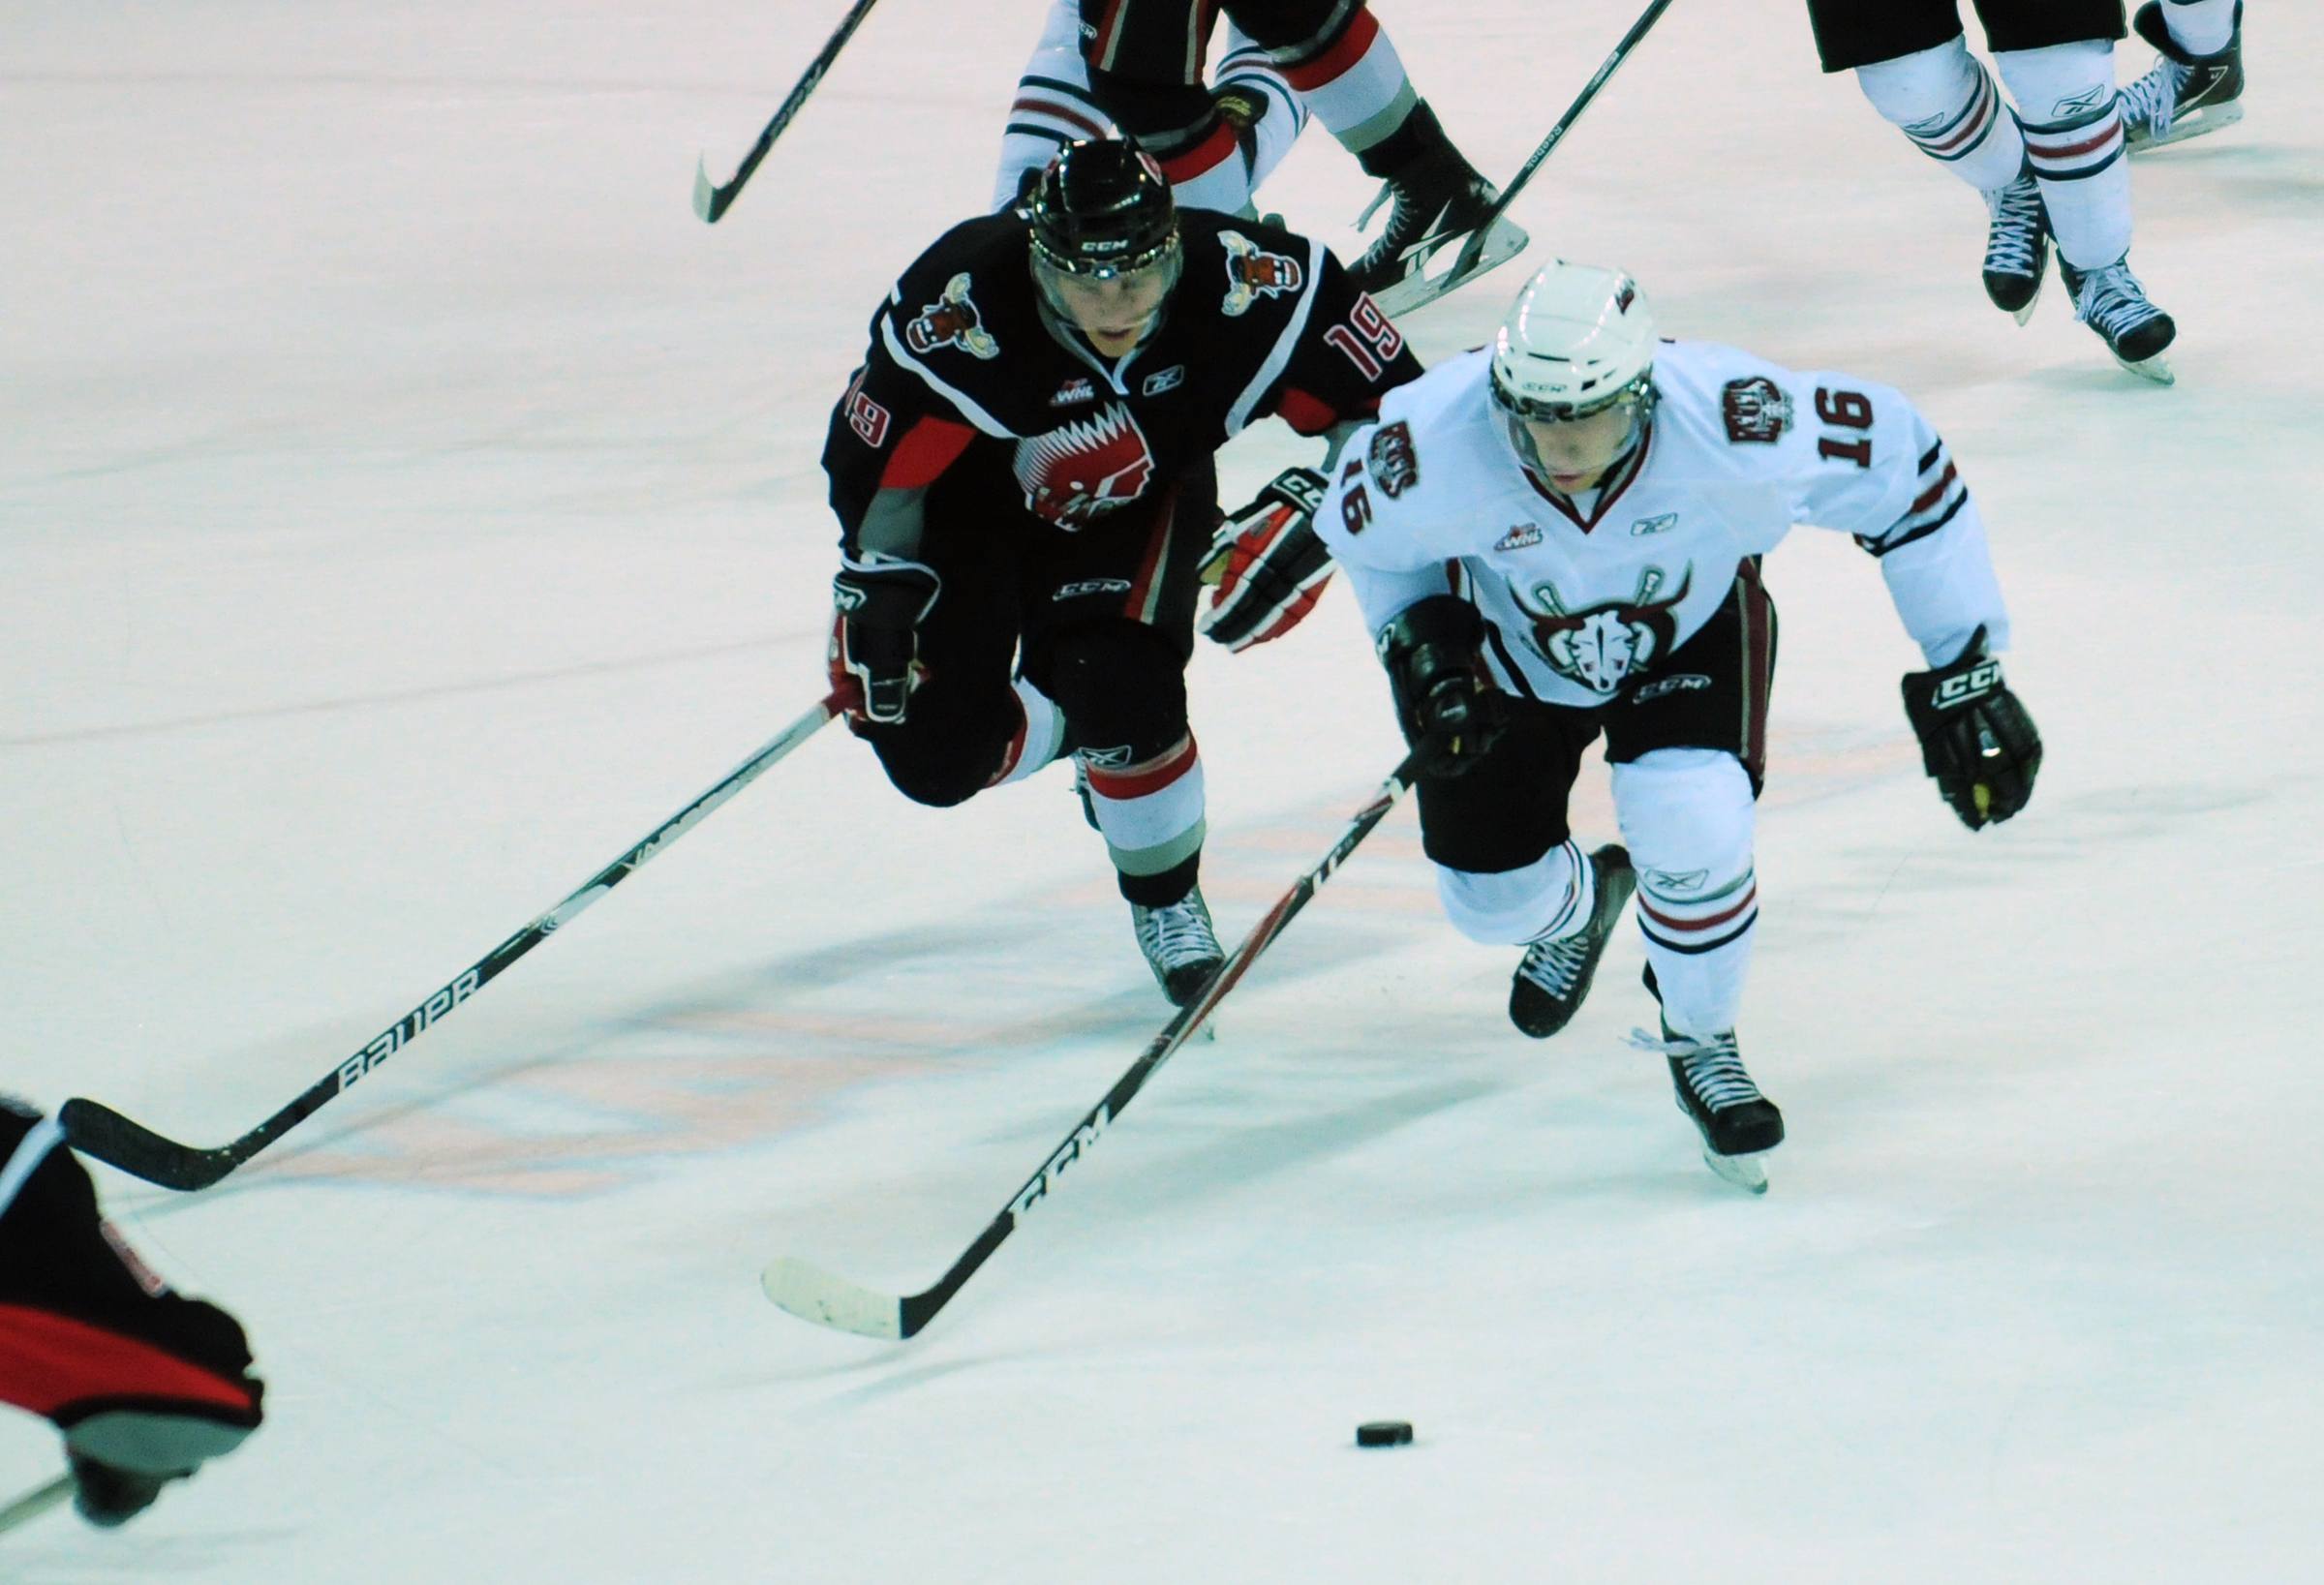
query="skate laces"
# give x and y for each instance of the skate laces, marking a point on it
(1713, 1069)
(2112, 302)
(1556, 966)
(2154, 99)
(1176, 934)
(2013, 247)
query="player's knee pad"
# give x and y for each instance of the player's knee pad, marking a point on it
(1507, 906)
(931, 762)
(1925, 89)
(1121, 683)
(1687, 818)
(2063, 86)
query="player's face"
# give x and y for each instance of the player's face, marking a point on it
(1115, 313)
(1574, 453)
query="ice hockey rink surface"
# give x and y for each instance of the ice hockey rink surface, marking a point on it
(405, 504)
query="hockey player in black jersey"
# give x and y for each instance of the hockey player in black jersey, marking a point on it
(1024, 475)
(144, 1385)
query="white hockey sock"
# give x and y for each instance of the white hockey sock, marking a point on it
(2200, 27)
(1039, 735)
(1152, 813)
(1052, 106)
(1946, 101)
(2074, 139)
(1358, 89)
(1244, 69)
(1687, 817)
(1550, 897)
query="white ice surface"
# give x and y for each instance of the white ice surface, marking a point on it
(406, 503)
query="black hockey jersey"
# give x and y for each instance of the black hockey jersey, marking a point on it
(968, 366)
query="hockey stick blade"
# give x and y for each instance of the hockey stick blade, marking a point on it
(812, 1294)
(33, 1503)
(99, 1131)
(708, 204)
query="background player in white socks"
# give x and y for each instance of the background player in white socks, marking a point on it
(1559, 536)
(2053, 171)
(2196, 84)
(1139, 65)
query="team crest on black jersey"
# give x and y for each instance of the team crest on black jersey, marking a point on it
(1604, 646)
(1392, 463)
(1754, 410)
(952, 320)
(1080, 471)
(1253, 273)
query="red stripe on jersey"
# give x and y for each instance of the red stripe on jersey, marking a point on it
(1312, 415)
(1327, 67)
(1207, 154)
(1063, 113)
(1934, 492)
(1108, 33)
(1152, 777)
(928, 448)
(49, 1363)
(1748, 898)
(1142, 586)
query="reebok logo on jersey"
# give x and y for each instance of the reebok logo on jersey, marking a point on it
(1519, 538)
(1253, 273)
(1077, 389)
(1079, 472)
(1164, 380)
(952, 320)
(1662, 523)
(1753, 409)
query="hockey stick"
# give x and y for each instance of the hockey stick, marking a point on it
(104, 1133)
(33, 1503)
(816, 1295)
(710, 202)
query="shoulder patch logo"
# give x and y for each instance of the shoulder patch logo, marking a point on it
(1754, 410)
(1391, 461)
(1164, 380)
(1253, 273)
(952, 320)
(1519, 538)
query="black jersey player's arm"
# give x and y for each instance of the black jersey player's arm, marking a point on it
(1347, 356)
(891, 438)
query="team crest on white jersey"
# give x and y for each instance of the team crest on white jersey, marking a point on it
(1754, 410)
(1083, 470)
(1519, 538)
(1253, 273)
(1392, 462)
(1604, 646)
(952, 320)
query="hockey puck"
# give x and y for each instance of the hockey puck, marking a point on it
(1383, 1433)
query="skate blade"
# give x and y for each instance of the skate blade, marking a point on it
(1418, 288)
(2195, 124)
(1743, 1172)
(2156, 368)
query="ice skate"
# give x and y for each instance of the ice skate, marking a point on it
(1714, 1089)
(1554, 976)
(1180, 945)
(2112, 303)
(2181, 96)
(1436, 202)
(2017, 247)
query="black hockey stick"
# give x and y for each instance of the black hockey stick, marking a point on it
(710, 202)
(816, 1295)
(104, 1133)
(1474, 249)
(33, 1503)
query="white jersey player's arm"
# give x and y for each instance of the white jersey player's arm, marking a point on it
(1865, 461)
(1389, 565)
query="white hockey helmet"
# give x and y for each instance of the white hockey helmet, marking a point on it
(1579, 340)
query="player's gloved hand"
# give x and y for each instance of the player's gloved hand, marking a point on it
(875, 643)
(1975, 738)
(1267, 566)
(1445, 707)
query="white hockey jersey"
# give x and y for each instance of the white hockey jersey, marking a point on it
(1581, 595)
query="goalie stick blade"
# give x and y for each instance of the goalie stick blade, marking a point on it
(812, 1294)
(1501, 244)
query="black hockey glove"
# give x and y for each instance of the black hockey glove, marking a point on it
(1267, 566)
(876, 641)
(1975, 738)
(1443, 704)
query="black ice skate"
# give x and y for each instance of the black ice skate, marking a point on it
(2112, 302)
(2183, 96)
(1715, 1090)
(1554, 976)
(1180, 945)
(1437, 201)
(2017, 247)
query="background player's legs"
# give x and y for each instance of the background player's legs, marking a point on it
(2196, 83)
(1145, 64)
(1053, 107)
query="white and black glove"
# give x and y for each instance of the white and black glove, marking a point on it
(875, 640)
(1975, 738)
(1267, 566)
(1444, 704)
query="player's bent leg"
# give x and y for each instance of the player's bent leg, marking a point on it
(1053, 104)
(1687, 817)
(957, 741)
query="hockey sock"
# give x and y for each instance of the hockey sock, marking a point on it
(1039, 738)
(1687, 817)
(2074, 138)
(1150, 814)
(1549, 898)
(1947, 103)
(1355, 85)
(1245, 77)
(2200, 27)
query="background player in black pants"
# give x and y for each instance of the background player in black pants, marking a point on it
(1022, 473)
(144, 1385)
(2054, 169)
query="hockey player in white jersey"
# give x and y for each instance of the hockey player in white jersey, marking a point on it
(1559, 536)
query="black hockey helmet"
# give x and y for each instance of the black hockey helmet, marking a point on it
(1102, 209)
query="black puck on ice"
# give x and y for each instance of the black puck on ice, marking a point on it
(1384, 1433)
